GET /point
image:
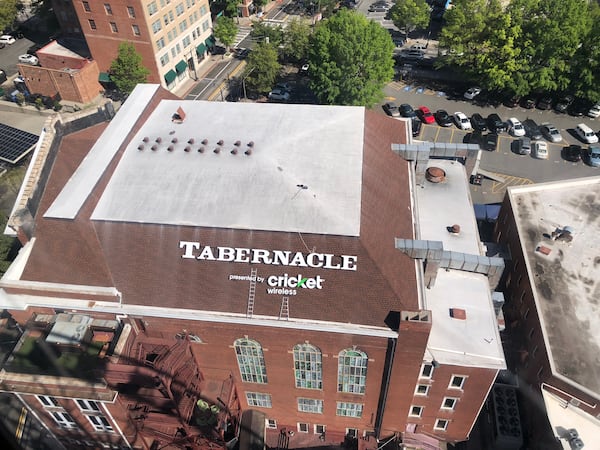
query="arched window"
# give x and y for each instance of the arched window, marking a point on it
(251, 361)
(352, 371)
(307, 367)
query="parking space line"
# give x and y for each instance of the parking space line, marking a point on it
(509, 180)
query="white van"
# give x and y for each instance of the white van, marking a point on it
(586, 134)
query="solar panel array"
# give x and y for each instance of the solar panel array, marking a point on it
(15, 143)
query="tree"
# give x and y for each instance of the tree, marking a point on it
(350, 60)
(586, 66)
(126, 71)
(296, 40)
(263, 67)
(259, 4)
(225, 30)
(8, 13)
(261, 31)
(410, 14)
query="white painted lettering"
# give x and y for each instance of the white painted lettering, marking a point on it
(310, 260)
(189, 248)
(281, 258)
(207, 254)
(298, 260)
(349, 262)
(329, 262)
(259, 256)
(242, 255)
(225, 254)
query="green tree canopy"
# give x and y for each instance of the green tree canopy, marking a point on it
(586, 66)
(126, 71)
(409, 15)
(263, 68)
(8, 13)
(261, 31)
(350, 60)
(225, 30)
(296, 40)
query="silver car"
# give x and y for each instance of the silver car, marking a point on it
(551, 133)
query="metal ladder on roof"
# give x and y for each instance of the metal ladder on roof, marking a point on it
(251, 293)
(284, 312)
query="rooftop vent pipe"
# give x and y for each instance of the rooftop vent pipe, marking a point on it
(435, 175)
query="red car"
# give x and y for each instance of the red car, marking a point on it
(425, 115)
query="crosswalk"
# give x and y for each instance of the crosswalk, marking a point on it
(243, 33)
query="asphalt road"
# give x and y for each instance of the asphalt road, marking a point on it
(10, 53)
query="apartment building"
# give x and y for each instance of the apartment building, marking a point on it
(551, 289)
(172, 37)
(184, 282)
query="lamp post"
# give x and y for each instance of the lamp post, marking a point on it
(244, 82)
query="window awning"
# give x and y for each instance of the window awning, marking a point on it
(170, 76)
(103, 77)
(181, 66)
(201, 49)
(210, 41)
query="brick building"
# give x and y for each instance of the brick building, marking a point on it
(313, 282)
(63, 72)
(551, 289)
(172, 37)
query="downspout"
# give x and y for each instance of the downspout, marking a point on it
(386, 384)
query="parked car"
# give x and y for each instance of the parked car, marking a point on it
(594, 111)
(7, 39)
(579, 107)
(586, 134)
(523, 146)
(550, 132)
(462, 121)
(545, 103)
(564, 103)
(443, 118)
(512, 102)
(391, 109)
(540, 150)
(593, 155)
(241, 53)
(490, 142)
(572, 152)
(472, 93)
(304, 69)
(416, 126)
(528, 102)
(478, 122)
(414, 55)
(532, 129)
(284, 86)
(29, 59)
(425, 114)
(496, 124)
(515, 127)
(407, 111)
(279, 95)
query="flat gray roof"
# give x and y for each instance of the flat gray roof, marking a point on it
(299, 168)
(474, 341)
(565, 282)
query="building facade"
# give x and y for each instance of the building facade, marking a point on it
(550, 287)
(173, 37)
(308, 277)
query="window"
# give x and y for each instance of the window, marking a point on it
(349, 409)
(258, 399)
(422, 389)
(64, 420)
(100, 423)
(531, 332)
(271, 423)
(203, 9)
(303, 427)
(48, 401)
(156, 26)
(205, 25)
(441, 424)
(135, 29)
(526, 314)
(534, 351)
(307, 367)
(92, 24)
(310, 405)
(540, 373)
(320, 429)
(426, 371)
(152, 8)
(166, 19)
(352, 433)
(352, 371)
(160, 43)
(179, 9)
(171, 16)
(170, 36)
(186, 41)
(88, 405)
(188, 4)
(113, 27)
(164, 59)
(250, 361)
(86, 7)
(108, 9)
(416, 411)
(131, 12)
(449, 403)
(173, 52)
(183, 26)
(457, 381)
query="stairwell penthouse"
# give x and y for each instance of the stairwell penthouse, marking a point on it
(193, 250)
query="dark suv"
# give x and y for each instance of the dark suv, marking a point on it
(532, 129)
(496, 124)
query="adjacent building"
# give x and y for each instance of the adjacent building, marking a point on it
(172, 37)
(552, 289)
(306, 277)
